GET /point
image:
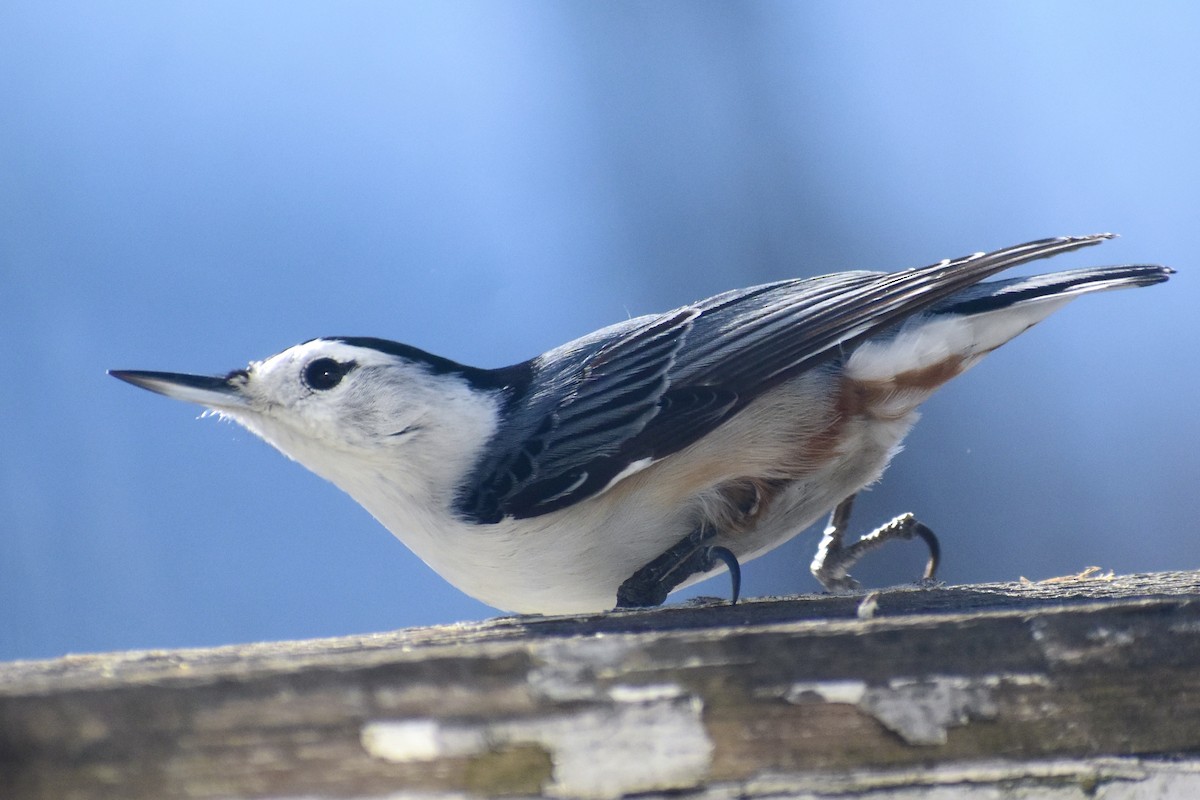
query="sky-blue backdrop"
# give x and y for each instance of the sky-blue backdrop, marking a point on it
(188, 186)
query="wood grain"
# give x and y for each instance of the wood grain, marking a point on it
(1081, 688)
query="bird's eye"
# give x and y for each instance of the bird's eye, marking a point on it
(325, 373)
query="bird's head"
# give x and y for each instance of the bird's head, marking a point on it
(352, 409)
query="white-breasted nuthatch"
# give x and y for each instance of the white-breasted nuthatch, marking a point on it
(639, 458)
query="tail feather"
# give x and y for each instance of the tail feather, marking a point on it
(958, 331)
(994, 295)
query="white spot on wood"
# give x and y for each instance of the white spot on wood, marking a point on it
(1061, 779)
(568, 669)
(1164, 785)
(848, 692)
(868, 607)
(920, 711)
(1109, 636)
(644, 694)
(1101, 643)
(420, 740)
(636, 747)
(655, 744)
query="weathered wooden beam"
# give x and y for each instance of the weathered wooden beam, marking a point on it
(1086, 688)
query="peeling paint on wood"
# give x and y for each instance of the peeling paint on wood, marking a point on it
(1081, 689)
(638, 746)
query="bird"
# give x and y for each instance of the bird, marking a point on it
(638, 459)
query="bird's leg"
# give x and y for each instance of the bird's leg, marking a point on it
(834, 559)
(651, 584)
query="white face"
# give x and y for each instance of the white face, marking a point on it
(351, 414)
(340, 396)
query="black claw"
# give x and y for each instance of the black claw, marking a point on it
(935, 550)
(651, 584)
(726, 556)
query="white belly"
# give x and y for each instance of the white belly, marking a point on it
(574, 560)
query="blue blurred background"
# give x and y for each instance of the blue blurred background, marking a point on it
(189, 186)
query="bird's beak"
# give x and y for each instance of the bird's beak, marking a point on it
(216, 393)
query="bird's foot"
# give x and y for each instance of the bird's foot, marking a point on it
(834, 558)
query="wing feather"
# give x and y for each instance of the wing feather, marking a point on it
(647, 388)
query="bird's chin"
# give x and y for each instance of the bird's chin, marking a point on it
(238, 416)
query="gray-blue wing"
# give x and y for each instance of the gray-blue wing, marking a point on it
(641, 390)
